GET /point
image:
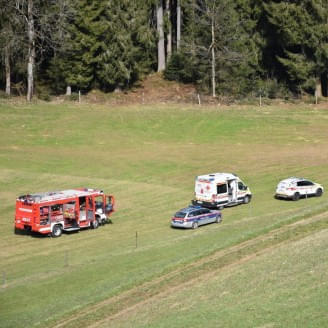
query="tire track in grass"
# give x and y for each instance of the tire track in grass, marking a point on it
(184, 275)
(76, 266)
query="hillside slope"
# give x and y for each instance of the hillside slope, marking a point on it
(152, 90)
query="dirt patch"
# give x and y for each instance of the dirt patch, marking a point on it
(152, 90)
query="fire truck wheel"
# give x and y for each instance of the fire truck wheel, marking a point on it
(57, 231)
(95, 224)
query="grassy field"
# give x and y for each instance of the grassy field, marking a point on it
(264, 266)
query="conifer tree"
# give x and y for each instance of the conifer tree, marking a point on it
(112, 45)
(129, 45)
(301, 47)
(87, 37)
(214, 40)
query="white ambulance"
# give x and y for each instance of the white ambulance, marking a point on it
(218, 190)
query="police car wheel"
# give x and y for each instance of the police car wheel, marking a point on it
(318, 193)
(56, 231)
(218, 219)
(194, 225)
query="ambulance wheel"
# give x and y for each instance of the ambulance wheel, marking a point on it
(218, 219)
(194, 225)
(318, 193)
(296, 196)
(95, 224)
(56, 231)
(247, 199)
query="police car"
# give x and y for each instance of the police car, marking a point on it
(194, 216)
(294, 188)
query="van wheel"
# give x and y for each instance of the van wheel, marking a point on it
(296, 196)
(56, 231)
(95, 224)
(194, 225)
(318, 192)
(247, 199)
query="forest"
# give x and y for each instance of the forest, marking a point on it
(273, 48)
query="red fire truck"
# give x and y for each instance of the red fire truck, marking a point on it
(67, 210)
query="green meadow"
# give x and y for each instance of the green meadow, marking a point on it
(265, 265)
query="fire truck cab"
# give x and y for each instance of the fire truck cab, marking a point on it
(67, 210)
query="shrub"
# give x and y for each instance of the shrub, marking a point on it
(73, 97)
(43, 92)
(3, 95)
(272, 89)
(181, 68)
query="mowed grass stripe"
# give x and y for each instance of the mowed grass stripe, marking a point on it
(188, 274)
(148, 158)
(260, 291)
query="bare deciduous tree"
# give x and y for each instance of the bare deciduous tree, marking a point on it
(31, 50)
(161, 41)
(178, 24)
(45, 24)
(219, 30)
(10, 39)
(169, 33)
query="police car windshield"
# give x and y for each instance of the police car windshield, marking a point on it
(180, 214)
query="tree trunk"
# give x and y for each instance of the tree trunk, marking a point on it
(31, 50)
(161, 44)
(178, 24)
(7, 65)
(318, 88)
(213, 60)
(169, 34)
(68, 90)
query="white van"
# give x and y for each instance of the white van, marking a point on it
(218, 190)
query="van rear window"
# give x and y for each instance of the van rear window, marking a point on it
(221, 189)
